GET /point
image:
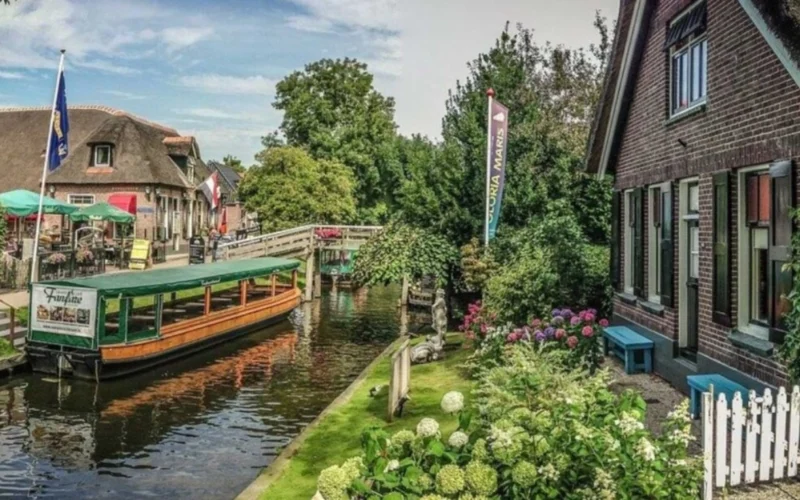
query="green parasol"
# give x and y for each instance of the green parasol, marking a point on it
(22, 203)
(102, 211)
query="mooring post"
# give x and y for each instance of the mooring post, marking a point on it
(404, 293)
(309, 276)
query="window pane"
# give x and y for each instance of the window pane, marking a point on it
(696, 71)
(752, 199)
(763, 198)
(656, 200)
(102, 155)
(704, 67)
(783, 224)
(694, 198)
(694, 257)
(676, 83)
(759, 304)
(685, 79)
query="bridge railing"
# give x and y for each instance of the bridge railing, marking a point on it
(296, 242)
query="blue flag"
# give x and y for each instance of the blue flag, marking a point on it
(59, 144)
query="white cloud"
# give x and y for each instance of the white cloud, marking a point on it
(33, 32)
(369, 14)
(227, 84)
(11, 75)
(108, 67)
(124, 95)
(180, 38)
(311, 24)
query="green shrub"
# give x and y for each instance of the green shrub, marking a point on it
(550, 264)
(540, 432)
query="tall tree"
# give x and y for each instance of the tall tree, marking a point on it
(551, 93)
(332, 109)
(234, 163)
(290, 188)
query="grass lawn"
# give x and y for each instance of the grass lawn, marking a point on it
(337, 437)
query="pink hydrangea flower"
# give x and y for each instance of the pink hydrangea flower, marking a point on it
(484, 328)
(575, 321)
(572, 342)
(536, 323)
(560, 334)
(588, 317)
(587, 331)
(604, 323)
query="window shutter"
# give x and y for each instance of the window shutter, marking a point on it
(638, 243)
(722, 250)
(780, 240)
(666, 247)
(616, 234)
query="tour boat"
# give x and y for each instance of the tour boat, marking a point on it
(114, 324)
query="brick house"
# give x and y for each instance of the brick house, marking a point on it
(142, 167)
(700, 126)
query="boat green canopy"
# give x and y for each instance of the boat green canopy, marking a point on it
(22, 203)
(102, 211)
(157, 281)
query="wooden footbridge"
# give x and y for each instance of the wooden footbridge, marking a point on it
(299, 242)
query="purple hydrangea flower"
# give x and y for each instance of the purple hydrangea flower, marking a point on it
(575, 321)
(567, 313)
(549, 332)
(540, 336)
(556, 312)
(558, 321)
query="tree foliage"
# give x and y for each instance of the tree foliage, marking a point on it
(332, 109)
(290, 188)
(551, 93)
(402, 250)
(234, 163)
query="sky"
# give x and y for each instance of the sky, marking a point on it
(208, 68)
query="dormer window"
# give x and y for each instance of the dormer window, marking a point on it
(102, 155)
(688, 56)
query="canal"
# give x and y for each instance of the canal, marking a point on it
(200, 428)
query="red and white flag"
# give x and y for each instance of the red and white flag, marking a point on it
(211, 189)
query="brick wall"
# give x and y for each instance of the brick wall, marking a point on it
(752, 117)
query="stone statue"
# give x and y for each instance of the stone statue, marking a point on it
(431, 349)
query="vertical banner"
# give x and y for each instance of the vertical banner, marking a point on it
(496, 166)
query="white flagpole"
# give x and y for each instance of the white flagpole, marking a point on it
(34, 262)
(490, 94)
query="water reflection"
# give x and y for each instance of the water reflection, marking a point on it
(200, 428)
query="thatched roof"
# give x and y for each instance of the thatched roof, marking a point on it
(140, 154)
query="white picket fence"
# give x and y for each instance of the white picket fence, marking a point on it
(756, 442)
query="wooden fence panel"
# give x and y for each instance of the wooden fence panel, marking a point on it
(769, 430)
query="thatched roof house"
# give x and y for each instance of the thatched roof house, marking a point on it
(114, 156)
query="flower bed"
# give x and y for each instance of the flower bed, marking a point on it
(539, 427)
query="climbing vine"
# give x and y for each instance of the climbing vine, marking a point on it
(789, 351)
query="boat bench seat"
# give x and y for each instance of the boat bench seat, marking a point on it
(625, 343)
(716, 384)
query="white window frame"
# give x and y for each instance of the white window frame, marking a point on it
(628, 241)
(654, 263)
(743, 271)
(673, 52)
(97, 149)
(684, 216)
(71, 198)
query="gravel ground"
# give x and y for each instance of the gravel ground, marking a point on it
(661, 398)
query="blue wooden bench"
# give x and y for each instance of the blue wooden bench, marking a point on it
(698, 384)
(625, 343)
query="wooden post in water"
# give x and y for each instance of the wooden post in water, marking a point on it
(294, 278)
(207, 305)
(243, 292)
(309, 291)
(274, 284)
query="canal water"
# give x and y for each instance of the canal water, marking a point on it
(200, 428)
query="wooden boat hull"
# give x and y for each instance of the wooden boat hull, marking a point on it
(176, 341)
